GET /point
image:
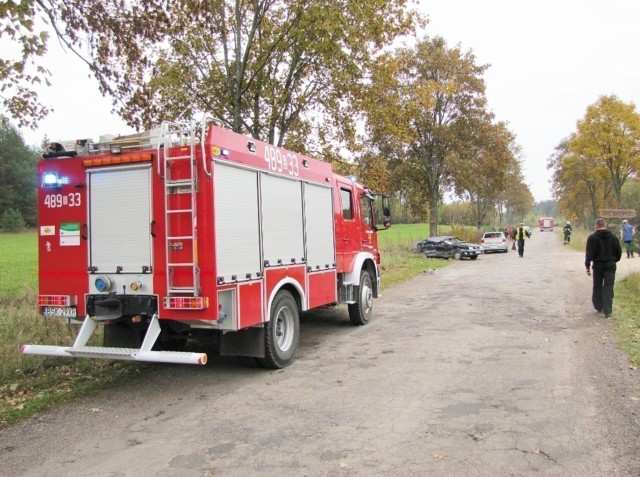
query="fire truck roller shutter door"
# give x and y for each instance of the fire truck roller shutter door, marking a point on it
(282, 219)
(236, 222)
(120, 239)
(319, 224)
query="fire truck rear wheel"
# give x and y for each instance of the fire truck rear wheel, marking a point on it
(282, 332)
(360, 312)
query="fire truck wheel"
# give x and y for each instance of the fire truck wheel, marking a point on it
(282, 332)
(360, 312)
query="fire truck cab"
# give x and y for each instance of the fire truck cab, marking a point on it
(180, 235)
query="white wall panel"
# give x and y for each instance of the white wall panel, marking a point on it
(319, 226)
(119, 220)
(236, 222)
(282, 219)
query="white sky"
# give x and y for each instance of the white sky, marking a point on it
(550, 59)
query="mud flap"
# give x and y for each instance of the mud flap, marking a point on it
(247, 342)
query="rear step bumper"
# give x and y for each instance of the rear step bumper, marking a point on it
(126, 354)
(144, 353)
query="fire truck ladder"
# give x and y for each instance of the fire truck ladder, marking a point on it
(180, 189)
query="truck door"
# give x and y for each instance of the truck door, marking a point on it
(355, 228)
(367, 224)
(347, 228)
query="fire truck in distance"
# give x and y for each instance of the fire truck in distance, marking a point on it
(546, 223)
(207, 236)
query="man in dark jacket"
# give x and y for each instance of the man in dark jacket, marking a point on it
(603, 251)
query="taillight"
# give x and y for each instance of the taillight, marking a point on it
(186, 303)
(57, 300)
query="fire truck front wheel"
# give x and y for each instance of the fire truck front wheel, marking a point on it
(360, 312)
(282, 332)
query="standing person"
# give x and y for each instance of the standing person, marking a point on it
(602, 253)
(519, 236)
(627, 237)
(567, 233)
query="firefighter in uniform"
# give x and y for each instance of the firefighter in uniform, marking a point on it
(521, 233)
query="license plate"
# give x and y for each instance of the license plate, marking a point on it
(69, 311)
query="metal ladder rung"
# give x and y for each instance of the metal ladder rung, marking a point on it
(181, 264)
(178, 158)
(178, 211)
(180, 182)
(180, 237)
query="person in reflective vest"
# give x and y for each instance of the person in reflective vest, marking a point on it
(521, 233)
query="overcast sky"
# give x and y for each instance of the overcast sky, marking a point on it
(549, 60)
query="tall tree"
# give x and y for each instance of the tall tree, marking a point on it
(264, 67)
(419, 98)
(485, 156)
(609, 135)
(581, 183)
(17, 174)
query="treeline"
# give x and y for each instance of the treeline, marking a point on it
(17, 181)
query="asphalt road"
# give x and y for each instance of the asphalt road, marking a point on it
(493, 367)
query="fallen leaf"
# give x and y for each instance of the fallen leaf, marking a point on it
(343, 465)
(441, 455)
(95, 409)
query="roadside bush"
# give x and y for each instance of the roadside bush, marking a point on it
(465, 233)
(12, 221)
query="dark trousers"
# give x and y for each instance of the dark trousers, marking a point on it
(629, 247)
(521, 247)
(604, 275)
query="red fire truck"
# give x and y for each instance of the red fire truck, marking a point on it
(546, 223)
(200, 235)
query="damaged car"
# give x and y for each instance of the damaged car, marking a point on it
(449, 246)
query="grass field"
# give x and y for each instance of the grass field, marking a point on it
(30, 384)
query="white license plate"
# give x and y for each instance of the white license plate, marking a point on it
(69, 311)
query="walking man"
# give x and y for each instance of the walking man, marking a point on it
(627, 237)
(520, 234)
(602, 253)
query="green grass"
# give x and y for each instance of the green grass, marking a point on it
(626, 318)
(29, 384)
(399, 261)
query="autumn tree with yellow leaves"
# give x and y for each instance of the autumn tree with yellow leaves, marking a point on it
(426, 113)
(592, 165)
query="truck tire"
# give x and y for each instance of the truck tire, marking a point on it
(360, 312)
(282, 332)
(457, 255)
